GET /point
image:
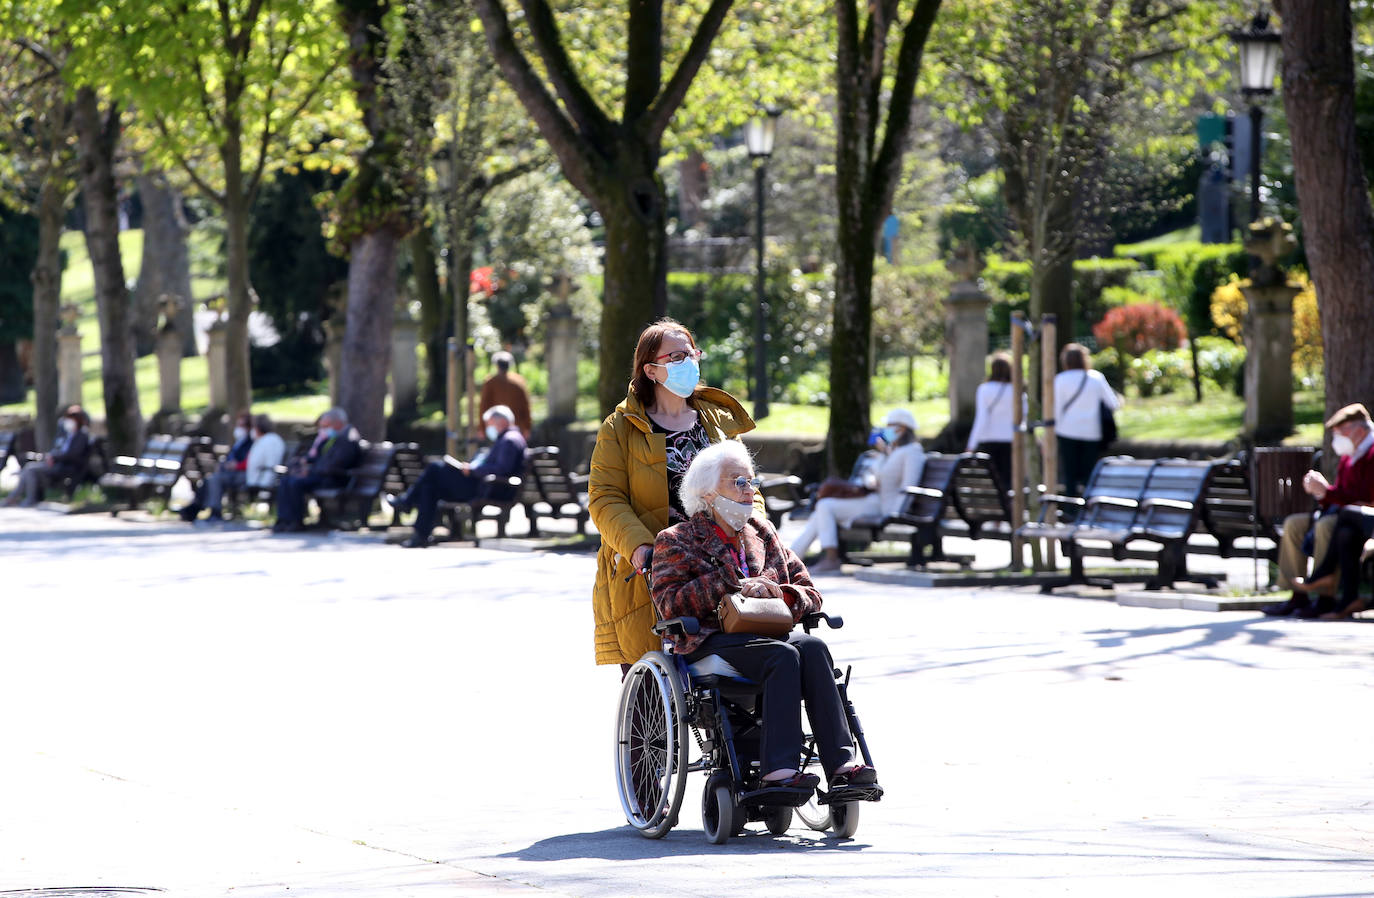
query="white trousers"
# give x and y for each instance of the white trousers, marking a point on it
(832, 514)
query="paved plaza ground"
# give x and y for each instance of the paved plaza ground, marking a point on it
(227, 713)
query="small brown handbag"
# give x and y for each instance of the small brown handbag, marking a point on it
(761, 617)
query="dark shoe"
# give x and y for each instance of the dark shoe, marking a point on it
(287, 527)
(797, 780)
(1285, 609)
(416, 542)
(862, 775)
(1323, 605)
(399, 502)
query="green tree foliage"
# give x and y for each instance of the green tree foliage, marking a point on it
(227, 93)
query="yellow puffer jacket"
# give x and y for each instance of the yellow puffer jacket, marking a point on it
(628, 498)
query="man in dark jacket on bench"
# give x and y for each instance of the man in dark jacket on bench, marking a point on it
(454, 481)
(324, 465)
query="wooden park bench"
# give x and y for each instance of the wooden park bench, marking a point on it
(549, 490)
(917, 521)
(348, 507)
(165, 459)
(782, 493)
(15, 444)
(463, 517)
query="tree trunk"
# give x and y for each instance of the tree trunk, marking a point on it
(1051, 294)
(11, 375)
(97, 136)
(166, 269)
(238, 376)
(636, 267)
(47, 288)
(460, 287)
(367, 333)
(435, 321)
(1333, 193)
(851, 390)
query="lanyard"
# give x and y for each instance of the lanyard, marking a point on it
(738, 550)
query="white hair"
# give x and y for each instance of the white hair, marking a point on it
(703, 475)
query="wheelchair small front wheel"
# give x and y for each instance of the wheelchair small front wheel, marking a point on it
(651, 745)
(718, 811)
(777, 819)
(844, 819)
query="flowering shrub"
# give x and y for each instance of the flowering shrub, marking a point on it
(1229, 308)
(1135, 330)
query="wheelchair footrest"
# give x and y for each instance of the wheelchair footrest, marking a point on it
(777, 797)
(842, 794)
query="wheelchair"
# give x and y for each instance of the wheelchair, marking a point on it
(667, 705)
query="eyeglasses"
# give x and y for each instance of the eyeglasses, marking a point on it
(681, 355)
(741, 482)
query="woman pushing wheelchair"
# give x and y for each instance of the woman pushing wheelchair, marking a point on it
(724, 550)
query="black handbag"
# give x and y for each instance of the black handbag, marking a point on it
(1108, 418)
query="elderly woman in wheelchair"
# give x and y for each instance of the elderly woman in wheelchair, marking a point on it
(738, 692)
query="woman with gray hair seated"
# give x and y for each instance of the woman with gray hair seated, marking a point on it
(723, 549)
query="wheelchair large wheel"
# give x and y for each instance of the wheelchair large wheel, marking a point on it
(651, 745)
(814, 815)
(718, 812)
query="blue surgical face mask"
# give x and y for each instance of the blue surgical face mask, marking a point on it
(329, 432)
(890, 435)
(683, 377)
(492, 433)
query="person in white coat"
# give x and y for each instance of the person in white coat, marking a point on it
(1079, 394)
(992, 417)
(900, 469)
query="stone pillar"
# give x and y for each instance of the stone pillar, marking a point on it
(333, 355)
(169, 370)
(216, 360)
(560, 353)
(1269, 334)
(68, 360)
(966, 337)
(405, 367)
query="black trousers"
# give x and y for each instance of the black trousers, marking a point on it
(1347, 542)
(1076, 461)
(789, 672)
(439, 482)
(999, 454)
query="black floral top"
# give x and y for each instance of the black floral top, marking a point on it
(682, 446)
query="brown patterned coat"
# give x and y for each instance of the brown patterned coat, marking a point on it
(694, 568)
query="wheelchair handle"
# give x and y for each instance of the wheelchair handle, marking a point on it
(810, 621)
(643, 571)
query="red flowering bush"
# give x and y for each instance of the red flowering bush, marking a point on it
(1136, 329)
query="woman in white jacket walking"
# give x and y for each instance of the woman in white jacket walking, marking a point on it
(1079, 394)
(900, 469)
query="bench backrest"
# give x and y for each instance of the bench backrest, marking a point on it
(6, 446)
(1178, 480)
(1276, 478)
(937, 474)
(979, 496)
(366, 477)
(551, 481)
(407, 464)
(1228, 508)
(1119, 476)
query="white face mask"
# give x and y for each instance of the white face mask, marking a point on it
(1342, 444)
(240, 433)
(69, 425)
(733, 513)
(492, 432)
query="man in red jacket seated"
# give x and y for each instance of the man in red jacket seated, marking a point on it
(1353, 440)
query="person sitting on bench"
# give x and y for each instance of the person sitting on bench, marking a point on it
(455, 481)
(324, 465)
(70, 454)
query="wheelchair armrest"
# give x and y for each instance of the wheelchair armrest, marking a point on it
(678, 626)
(813, 620)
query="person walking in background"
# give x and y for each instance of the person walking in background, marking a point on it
(642, 452)
(508, 388)
(992, 417)
(1079, 396)
(900, 469)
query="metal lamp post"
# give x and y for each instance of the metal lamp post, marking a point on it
(1259, 58)
(758, 137)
